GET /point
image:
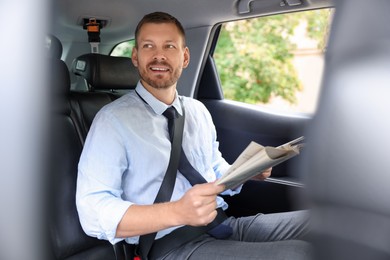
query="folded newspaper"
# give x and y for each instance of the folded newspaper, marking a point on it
(257, 158)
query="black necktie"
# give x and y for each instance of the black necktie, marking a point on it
(193, 176)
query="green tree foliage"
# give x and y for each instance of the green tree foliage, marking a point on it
(123, 49)
(254, 57)
(318, 25)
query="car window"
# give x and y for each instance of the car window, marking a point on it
(123, 49)
(275, 61)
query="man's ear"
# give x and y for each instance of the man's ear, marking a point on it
(134, 57)
(186, 60)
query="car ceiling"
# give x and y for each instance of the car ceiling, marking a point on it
(123, 15)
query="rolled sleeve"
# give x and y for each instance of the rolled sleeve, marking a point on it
(100, 210)
(98, 194)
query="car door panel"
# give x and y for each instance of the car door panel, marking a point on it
(237, 124)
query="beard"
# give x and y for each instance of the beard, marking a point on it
(160, 81)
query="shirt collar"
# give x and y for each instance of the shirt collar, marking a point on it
(157, 106)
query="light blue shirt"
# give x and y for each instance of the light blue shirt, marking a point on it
(126, 155)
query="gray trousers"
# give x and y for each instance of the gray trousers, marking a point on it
(264, 236)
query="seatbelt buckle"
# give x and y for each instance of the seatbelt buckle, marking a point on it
(130, 252)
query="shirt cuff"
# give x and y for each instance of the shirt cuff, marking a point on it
(110, 218)
(232, 192)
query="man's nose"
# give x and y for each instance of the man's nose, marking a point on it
(159, 55)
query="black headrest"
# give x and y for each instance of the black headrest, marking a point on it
(53, 47)
(104, 72)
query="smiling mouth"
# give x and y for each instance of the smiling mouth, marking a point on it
(159, 66)
(159, 69)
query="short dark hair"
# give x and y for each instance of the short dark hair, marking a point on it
(159, 17)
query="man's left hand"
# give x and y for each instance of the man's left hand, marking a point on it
(264, 175)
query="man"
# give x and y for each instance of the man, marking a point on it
(126, 155)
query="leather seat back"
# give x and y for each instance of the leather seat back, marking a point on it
(68, 241)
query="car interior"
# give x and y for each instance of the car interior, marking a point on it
(106, 77)
(95, 79)
(81, 76)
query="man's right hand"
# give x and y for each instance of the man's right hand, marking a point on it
(196, 208)
(198, 205)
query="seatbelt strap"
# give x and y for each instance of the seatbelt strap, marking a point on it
(185, 234)
(166, 189)
(93, 29)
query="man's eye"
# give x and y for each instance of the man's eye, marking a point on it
(171, 46)
(147, 46)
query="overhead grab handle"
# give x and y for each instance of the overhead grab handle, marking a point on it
(244, 6)
(291, 2)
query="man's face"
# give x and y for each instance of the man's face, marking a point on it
(160, 55)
